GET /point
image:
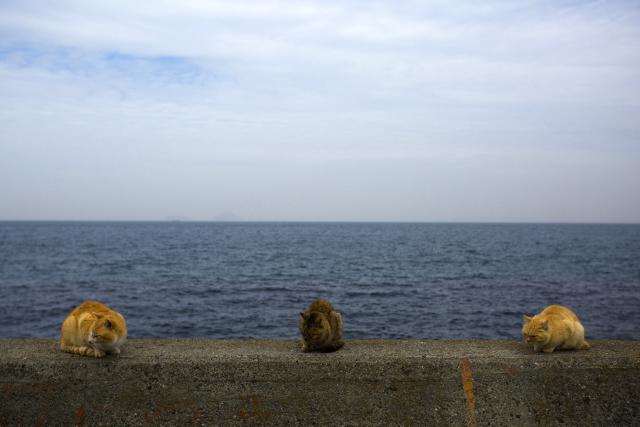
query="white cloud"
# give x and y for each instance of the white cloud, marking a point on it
(164, 89)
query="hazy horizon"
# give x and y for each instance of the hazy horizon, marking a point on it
(499, 112)
(285, 221)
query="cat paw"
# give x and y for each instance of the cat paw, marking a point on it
(115, 351)
(548, 350)
(98, 353)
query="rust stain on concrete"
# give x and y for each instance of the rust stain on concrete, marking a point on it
(79, 416)
(467, 386)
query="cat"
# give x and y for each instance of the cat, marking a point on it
(321, 327)
(556, 327)
(93, 329)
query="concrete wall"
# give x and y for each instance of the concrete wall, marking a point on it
(205, 382)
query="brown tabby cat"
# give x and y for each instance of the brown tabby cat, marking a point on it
(93, 329)
(555, 327)
(321, 327)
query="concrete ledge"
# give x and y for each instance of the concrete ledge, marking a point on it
(376, 382)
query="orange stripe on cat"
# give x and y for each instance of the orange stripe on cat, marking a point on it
(467, 386)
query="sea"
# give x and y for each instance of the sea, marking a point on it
(251, 280)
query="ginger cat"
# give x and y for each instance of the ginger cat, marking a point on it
(93, 329)
(321, 327)
(556, 327)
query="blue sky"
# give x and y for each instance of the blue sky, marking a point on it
(320, 111)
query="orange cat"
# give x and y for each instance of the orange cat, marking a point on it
(555, 327)
(93, 329)
(321, 327)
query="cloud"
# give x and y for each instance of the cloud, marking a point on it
(200, 91)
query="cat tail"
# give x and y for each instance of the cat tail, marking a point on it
(584, 345)
(338, 345)
(334, 346)
(81, 350)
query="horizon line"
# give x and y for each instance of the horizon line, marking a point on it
(169, 221)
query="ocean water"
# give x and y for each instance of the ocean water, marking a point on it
(250, 280)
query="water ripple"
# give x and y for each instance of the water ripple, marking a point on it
(245, 280)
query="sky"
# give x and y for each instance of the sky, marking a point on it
(492, 111)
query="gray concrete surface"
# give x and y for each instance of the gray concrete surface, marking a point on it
(369, 382)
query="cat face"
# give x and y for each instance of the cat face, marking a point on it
(534, 330)
(104, 332)
(315, 326)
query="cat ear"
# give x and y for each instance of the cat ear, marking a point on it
(545, 325)
(526, 318)
(107, 324)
